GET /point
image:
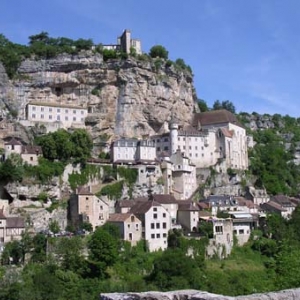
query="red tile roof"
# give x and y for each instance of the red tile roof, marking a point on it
(143, 207)
(83, 190)
(15, 222)
(215, 117)
(118, 217)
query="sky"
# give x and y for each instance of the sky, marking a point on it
(247, 52)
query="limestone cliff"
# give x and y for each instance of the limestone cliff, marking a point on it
(291, 294)
(124, 97)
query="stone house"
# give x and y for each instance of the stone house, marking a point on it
(129, 225)
(222, 241)
(155, 223)
(30, 154)
(188, 215)
(84, 206)
(243, 224)
(11, 228)
(183, 176)
(257, 196)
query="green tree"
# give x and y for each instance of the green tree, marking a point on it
(202, 105)
(103, 252)
(159, 51)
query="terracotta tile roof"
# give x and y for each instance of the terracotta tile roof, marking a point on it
(54, 104)
(13, 142)
(164, 198)
(271, 206)
(203, 205)
(215, 117)
(282, 200)
(203, 213)
(118, 217)
(187, 206)
(226, 132)
(28, 149)
(83, 190)
(142, 207)
(245, 202)
(125, 203)
(15, 222)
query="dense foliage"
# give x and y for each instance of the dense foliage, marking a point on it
(40, 46)
(64, 146)
(159, 51)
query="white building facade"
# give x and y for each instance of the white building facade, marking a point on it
(66, 115)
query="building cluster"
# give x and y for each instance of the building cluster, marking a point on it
(125, 44)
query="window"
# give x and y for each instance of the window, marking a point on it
(74, 118)
(154, 208)
(241, 231)
(66, 118)
(87, 198)
(196, 148)
(157, 225)
(178, 138)
(33, 116)
(132, 219)
(158, 236)
(166, 148)
(183, 147)
(66, 111)
(50, 117)
(58, 110)
(31, 158)
(58, 118)
(42, 108)
(184, 139)
(164, 225)
(128, 225)
(164, 235)
(219, 229)
(101, 207)
(152, 226)
(158, 140)
(152, 236)
(158, 148)
(137, 227)
(74, 111)
(33, 108)
(154, 216)
(234, 232)
(12, 147)
(130, 236)
(164, 215)
(42, 116)
(202, 148)
(196, 154)
(50, 108)
(82, 112)
(190, 147)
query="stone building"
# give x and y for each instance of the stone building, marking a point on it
(155, 223)
(129, 225)
(213, 137)
(125, 43)
(30, 154)
(84, 206)
(46, 113)
(11, 228)
(133, 151)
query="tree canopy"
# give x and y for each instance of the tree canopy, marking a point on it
(159, 51)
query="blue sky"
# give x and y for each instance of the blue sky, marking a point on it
(247, 52)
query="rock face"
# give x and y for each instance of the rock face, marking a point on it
(124, 97)
(291, 294)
